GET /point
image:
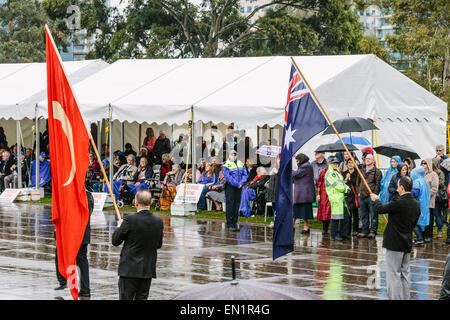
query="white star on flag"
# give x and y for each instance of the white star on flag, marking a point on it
(289, 137)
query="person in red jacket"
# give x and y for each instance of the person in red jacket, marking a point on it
(324, 208)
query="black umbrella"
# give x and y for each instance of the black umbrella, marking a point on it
(335, 147)
(246, 290)
(350, 124)
(395, 149)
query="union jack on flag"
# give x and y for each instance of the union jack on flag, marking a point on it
(303, 120)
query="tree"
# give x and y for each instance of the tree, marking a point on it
(21, 38)
(22, 35)
(370, 44)
(422, 33)
(180, 28)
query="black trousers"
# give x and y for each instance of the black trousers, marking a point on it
(354, 220)
(83, 266)
(232, 201)
(134, 288)
(2, 182)
(62, 281)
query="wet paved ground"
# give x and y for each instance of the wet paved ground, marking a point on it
(199, 252)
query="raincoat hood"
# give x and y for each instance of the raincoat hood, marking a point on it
(419, 182)
(430, 165)
(384, 194)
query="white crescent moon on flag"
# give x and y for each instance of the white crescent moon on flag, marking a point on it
(59, 114)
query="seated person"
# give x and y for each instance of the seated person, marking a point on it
(44, 172)
(249, 190)
(175, 176)
(93, 173)
(144, 173)
(207, 178)
(166, 166)
(129, 150)
(217, 193)
(101, 186)
(5, 168)
(143, 153)
(125, 174)
(13, 178)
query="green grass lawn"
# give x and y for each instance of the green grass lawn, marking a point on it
(216, 215)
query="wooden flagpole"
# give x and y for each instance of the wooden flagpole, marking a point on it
(334, 128)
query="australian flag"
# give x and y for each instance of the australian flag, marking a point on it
(303, 120)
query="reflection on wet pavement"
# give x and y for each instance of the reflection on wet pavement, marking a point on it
(198, 252)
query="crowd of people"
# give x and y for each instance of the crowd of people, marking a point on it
(344, 199)
(238, 181)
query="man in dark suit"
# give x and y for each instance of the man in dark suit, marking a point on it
(82, 261)
(403, 213)
(142, 234)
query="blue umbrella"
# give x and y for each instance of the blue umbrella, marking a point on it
(355, 140)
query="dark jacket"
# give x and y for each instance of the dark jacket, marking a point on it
(259, 183)
(148, 174)
(142, 234)
(272, 190)
(304, 184)
(403, 213)
(373, 178)
(351, 196)
(392, 188)
(87, 231)
(161, 146)
(251, 173)
(445, 287)
(5, 166)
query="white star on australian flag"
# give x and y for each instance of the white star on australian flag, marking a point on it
(289, 138)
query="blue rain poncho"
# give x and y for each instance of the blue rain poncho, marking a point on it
(384, 194)
(424, 195)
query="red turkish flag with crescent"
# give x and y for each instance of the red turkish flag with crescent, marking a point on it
(69, 161)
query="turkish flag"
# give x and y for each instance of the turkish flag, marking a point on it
(69, 161)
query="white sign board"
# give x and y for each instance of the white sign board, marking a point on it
(193, 193)
(9, 195)
(99, 200)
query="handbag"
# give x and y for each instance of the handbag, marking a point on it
(442, 198)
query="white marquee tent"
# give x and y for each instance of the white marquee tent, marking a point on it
(251, 92)
(23, 85)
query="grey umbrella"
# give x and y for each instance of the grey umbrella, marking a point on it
(446, 164)
(335, 147)
(396, 149)
(246, 290)
(350, 124)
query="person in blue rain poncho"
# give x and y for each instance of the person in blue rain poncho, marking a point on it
(421, 191)
(44, 171)
(391, 171)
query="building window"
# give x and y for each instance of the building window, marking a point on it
(242, 10)
(249, 9)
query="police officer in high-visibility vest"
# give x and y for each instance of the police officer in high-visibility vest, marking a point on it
(235, 175)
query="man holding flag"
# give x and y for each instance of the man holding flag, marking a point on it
(303, 120)
(69, 154)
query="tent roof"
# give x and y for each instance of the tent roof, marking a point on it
(250, 91)
(23, 85)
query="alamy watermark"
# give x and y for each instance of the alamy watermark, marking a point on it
(73, 22)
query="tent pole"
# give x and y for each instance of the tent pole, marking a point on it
(37, 148)
(122, 127)
(111, 166)
(194, 149)
(99, 137)
(19, 163)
